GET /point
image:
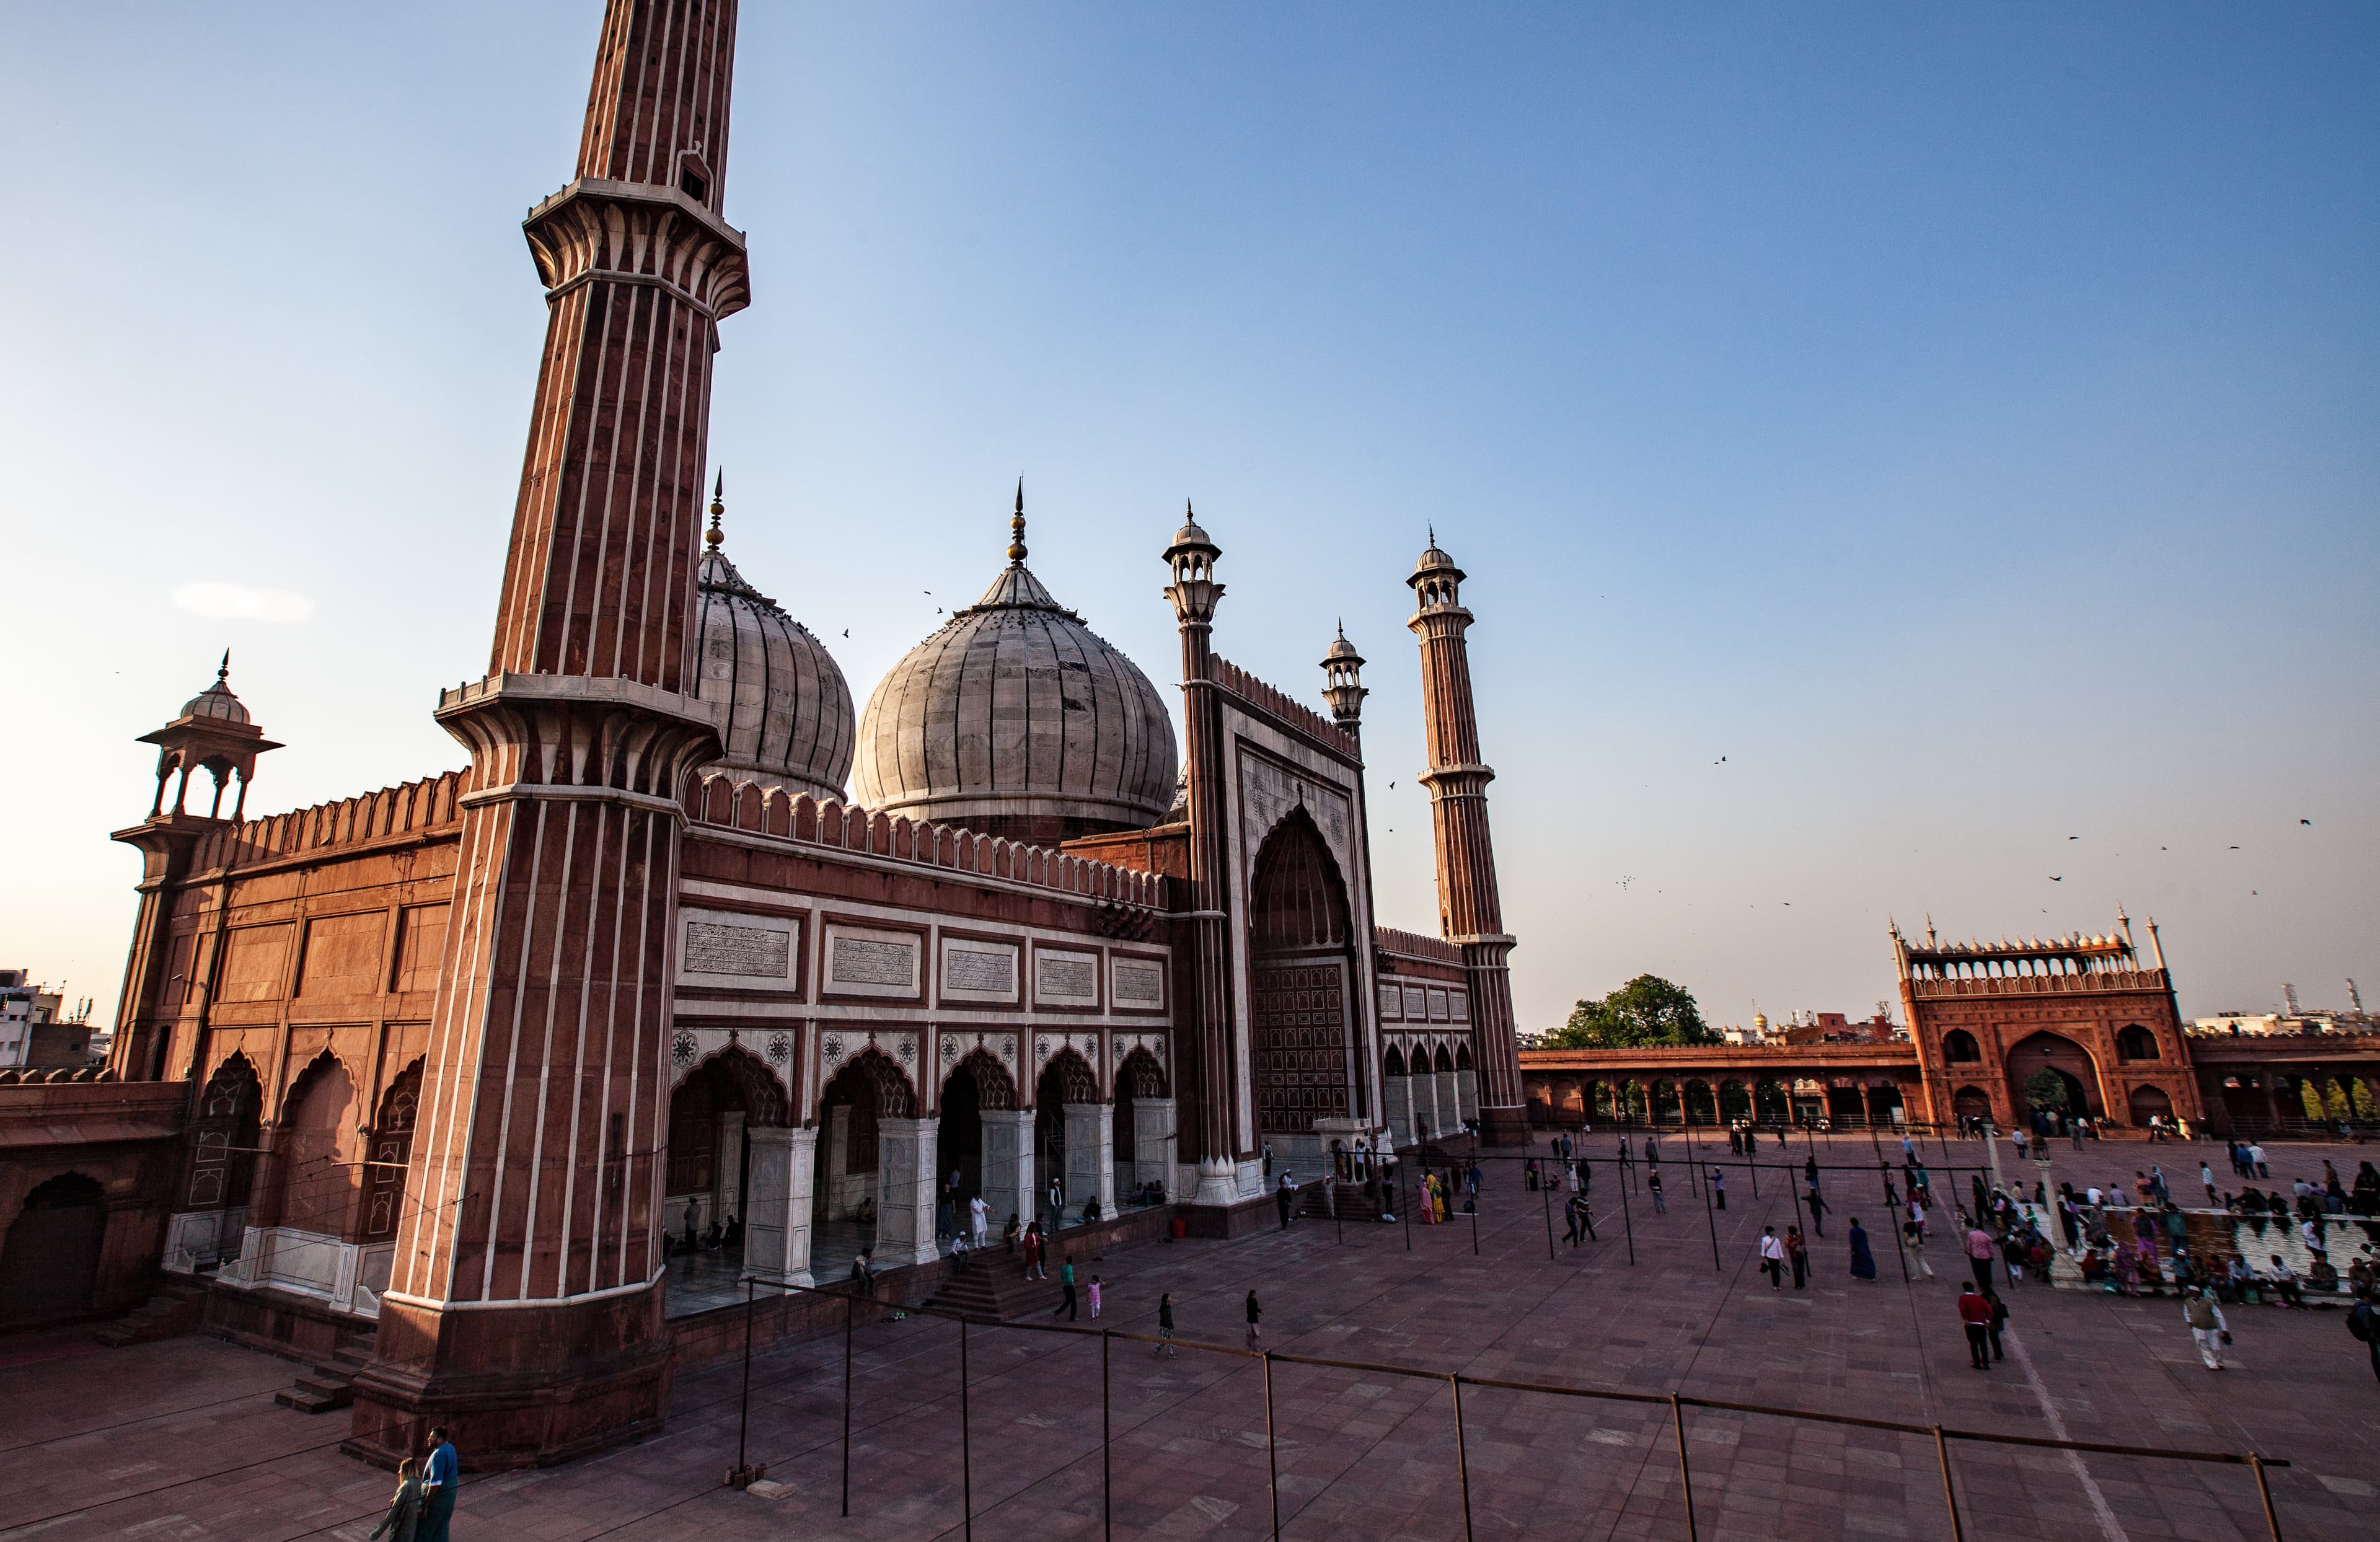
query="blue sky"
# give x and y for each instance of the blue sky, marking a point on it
(1963, 420)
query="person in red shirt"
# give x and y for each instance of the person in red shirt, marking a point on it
(1976, 1313)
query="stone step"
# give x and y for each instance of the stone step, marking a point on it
(307, 1398)
(174, 1309)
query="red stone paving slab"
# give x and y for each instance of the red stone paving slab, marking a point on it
(1358, 1452)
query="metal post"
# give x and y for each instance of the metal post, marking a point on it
(1402, 1208)
(1475, 1225)
(1461, 1456)
(1753, 1163)
(967, 1463)
(1950, 1497)
(1107, 1473)
(846, 1403)
(2265, 1491)
(744, 1412)
(1685, 1474)
(1702, 1182)
(1549, 1208)
(1272, 1465)
(1629, 1223)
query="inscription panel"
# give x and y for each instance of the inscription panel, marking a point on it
(1137, 983)
(727, 948)
(1392, 1001)
(860, 962)
(1065, 979)
(973, 971)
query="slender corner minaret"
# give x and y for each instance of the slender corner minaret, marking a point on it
(1215, 1135)
(1469, 913)
(529, 1253)
(213, 734)
(1343, 684)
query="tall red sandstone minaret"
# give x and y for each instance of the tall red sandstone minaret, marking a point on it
(1469, 914)
(1210, 1058)
(529, 1256)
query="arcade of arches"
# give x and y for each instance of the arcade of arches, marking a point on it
(877, 1173)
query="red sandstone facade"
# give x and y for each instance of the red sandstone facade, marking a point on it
(1984, 1019)
(438, 1067)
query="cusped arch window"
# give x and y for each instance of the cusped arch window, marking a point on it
(1960, 1045)
(2135, 1042)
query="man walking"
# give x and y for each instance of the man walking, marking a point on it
(1653, 1186)
(1817, 1210)
(1718, 1187)
(1976, 1313)
(1165, 1328)
(439, 1487)
(1979, 1255)
(2206, 1326)
(1772, 1256)
(1256, 1315)
(1284, 1196)
(1067, 1306)
(2206, 1177)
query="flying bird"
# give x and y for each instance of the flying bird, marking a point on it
(847, 631)
(2074, 837)
(2305, 821)
(2055, 879)
(2231, 848)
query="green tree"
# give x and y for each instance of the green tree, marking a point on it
(1647, 1010)
(2046, 1089)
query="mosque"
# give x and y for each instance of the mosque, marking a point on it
(438, 1071)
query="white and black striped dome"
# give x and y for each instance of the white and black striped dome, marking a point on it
(1015, 719)
(789, 719)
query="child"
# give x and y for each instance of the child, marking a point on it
(1094, 1298)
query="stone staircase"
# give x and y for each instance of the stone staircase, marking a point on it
(331, 1385)
(992, 1288)
(1350, 1198)
(177, 1308)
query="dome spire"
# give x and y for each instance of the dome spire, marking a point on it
(713, 536)
(1016, 528)
(222, 671)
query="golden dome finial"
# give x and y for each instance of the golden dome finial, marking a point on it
(1016, 528)
(713, 536)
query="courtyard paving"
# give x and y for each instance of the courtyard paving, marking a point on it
(180, 1439)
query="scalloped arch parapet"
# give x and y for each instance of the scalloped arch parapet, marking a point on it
(722, 801)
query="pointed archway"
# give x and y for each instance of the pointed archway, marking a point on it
(1301, 1036)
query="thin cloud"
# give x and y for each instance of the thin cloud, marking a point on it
(238, 602)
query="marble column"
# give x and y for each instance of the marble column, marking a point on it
(1007, 1166)
(1466, 1093)
(904, 1192)
(1450, 1102)
(728, 1188)
(1397, 1095)
(777, 1232)
(1090, 1156)
(1152, 1142)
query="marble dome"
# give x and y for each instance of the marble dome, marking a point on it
(1016, 720)
(789, 719)
(217, 701)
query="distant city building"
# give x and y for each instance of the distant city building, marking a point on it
(2292, 1018)
(35, 1030)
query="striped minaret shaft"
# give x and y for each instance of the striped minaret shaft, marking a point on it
(535, 1177)
(1220, 1129)
(1469, 914)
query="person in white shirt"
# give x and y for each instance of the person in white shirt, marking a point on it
(1772, 1255)
(979, 1218)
